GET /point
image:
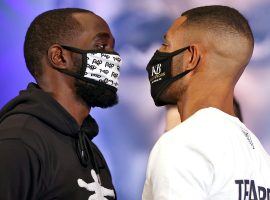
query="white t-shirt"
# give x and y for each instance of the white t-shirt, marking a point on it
(210, 156)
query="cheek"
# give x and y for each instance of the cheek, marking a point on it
(173, 91)
(177, 65)
(77, 62)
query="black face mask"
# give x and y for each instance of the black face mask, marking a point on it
(159, 73)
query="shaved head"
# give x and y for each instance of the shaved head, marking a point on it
(224, 32)
(54, 26)
(218, 44)
(219, 19)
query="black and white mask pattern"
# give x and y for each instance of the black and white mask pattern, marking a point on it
(98, 67)
(104, 68)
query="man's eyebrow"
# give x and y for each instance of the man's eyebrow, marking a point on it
(105, 36)
(102, 36)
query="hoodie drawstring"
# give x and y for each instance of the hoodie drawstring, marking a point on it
(85, 151)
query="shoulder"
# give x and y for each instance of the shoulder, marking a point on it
(193, 154)
(24, 127)
(30, 132)
(14, 150)
(205, 129)
(200, 140)
(22, 169)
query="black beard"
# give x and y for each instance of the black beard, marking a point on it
(95, 95)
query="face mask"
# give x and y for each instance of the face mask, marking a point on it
(159, 73)
(98, 67)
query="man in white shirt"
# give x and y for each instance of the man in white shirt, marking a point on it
(211, 155)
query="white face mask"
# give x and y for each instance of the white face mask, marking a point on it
(98, 67)
(103, 67)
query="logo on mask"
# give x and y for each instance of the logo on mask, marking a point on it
(96, 75)
(97, 62)
(104, 71)
(118, 59)
(110, 65)
(105, 55)
(114, 75)
(91, 67)
(156, 69)
(156, 74)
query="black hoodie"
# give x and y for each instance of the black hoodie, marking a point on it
(44, 154)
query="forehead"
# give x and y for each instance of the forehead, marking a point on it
(92, 25)
(176, 26)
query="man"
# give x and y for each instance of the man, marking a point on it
(46, 150)
(211, 154)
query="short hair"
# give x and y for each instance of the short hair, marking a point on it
(220, 19)
(51, 27)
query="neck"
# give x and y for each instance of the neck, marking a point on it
(67, 98)
(213, 95)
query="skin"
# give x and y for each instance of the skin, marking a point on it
(172, 117)
(96, 34)
(217, 63)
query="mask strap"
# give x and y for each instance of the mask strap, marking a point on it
(84, 59)
(73, 49)
(174, 53)
(84, 64)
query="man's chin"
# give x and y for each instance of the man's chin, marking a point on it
(96, 95)
(102, 102)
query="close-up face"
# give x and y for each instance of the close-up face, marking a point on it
(96, 36)
(174, 39)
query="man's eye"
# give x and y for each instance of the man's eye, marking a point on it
(164, 44)
(101, 46)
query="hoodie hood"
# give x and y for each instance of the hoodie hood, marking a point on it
(37, 103)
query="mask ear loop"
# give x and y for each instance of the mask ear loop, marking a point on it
(174, 53)
(84, 58)
(84, 64)
(73, 49)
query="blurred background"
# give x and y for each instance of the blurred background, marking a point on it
(129, 130)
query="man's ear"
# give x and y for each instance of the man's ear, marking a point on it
(57, 57)
(192, 57)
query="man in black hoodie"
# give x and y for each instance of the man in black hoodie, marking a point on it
(46, 150)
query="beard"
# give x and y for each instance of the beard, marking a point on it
(174, 93)
(94, 95)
